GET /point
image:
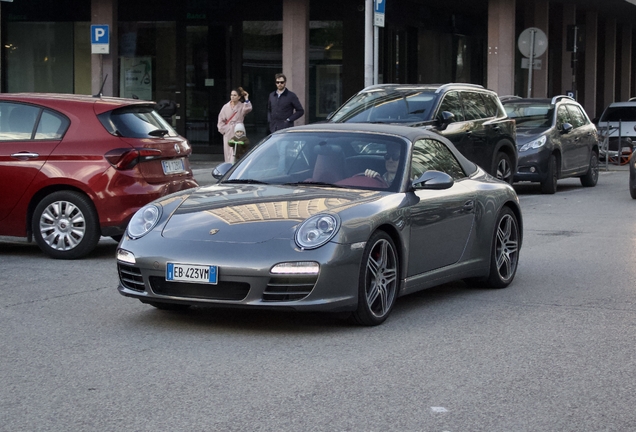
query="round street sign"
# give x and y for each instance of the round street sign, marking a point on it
(540, 42)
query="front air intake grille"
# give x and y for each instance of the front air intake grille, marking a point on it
(130, 277)
(289, 288)
(222, 291)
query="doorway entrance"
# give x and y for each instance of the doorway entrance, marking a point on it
(207, 68)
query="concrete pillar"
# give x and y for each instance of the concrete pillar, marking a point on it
(609, 62)
(569, 18)
(105, 65)
(626, 63)
(541, 20)
(591, 55)
(501, 46)
(296, 50)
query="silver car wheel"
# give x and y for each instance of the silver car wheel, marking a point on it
(65, 225)
(381, 278)
(62, 225)
(378, 281)
(507, 248)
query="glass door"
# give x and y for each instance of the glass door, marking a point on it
(197, 100)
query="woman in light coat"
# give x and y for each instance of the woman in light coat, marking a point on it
(232, 112)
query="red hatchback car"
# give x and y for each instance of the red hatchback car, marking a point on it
(74, 167)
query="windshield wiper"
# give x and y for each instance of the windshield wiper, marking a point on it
(313, 183)
(158, 132)
(245, 181)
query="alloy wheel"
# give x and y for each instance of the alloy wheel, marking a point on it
(381, 278)
(507, 247)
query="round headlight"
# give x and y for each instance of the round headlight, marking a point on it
(316, 231)
(144, 220)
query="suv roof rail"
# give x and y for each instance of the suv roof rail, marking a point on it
(561, 97)
(445, 86)
(509, 97)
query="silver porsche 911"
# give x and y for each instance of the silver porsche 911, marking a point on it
(327, 217)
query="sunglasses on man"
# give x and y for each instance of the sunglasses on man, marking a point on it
(393, 156)
(280, 82)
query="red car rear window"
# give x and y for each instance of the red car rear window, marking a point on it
(136, 122)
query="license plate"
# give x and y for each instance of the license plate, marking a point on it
(192, 273)
(173, 166)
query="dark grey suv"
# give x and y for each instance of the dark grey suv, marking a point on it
(469, 115)
(556, 139)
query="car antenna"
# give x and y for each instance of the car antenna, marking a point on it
(101, 89)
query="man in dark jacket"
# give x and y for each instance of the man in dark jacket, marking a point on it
(283, 106)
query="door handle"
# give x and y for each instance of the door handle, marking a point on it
(469, 205)
(27, 155)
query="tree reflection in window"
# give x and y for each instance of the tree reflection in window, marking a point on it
(430, 154)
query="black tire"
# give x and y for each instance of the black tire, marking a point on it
(591, 176)
(379, 280)
(503, 168)
(504, 255)
(65, 225)
(168, 306)
(549, 185)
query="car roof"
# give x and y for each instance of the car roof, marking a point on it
(408, 132)
(60, 100)
(430, 87)
(622, 104)
(545, 101)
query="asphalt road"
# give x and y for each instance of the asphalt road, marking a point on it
(552, 352)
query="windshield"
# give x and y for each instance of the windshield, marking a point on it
(615, 114)
(351, 160)
(387, 106)
(530, 115)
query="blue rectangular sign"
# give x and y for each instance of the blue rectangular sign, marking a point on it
(100, 34)
(379, 6)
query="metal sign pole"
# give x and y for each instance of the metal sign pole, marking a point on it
(531, 63)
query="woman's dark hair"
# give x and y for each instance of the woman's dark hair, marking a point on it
(239, 90)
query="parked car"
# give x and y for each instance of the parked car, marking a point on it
(556, 139)
(75, 167)
(623, 113)
(470, 116)
(326, 217)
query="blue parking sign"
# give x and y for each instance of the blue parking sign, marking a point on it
(379, 6)
(100, 39)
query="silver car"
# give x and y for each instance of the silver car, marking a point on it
(328, 217)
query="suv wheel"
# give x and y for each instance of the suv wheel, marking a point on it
(549, 185)
(65, 225)
(503, 168)
(591, 177)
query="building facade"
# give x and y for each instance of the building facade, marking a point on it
(193, 52)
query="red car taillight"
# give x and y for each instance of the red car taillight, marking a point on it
(126, 158)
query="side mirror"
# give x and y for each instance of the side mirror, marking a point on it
(221, 170)
(433, 180)
(566, 128)
(445, 118)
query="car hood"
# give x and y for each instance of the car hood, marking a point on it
(256, 213)
(527, 134)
